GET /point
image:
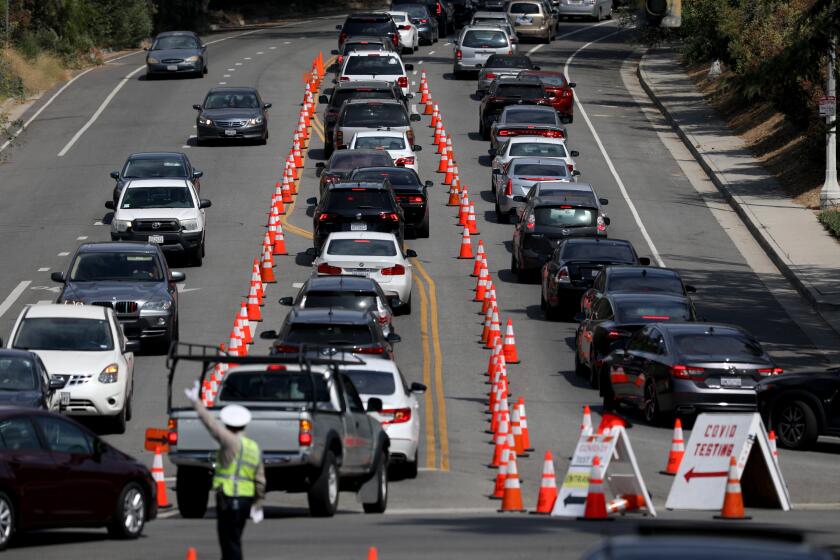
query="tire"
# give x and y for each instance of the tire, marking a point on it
(196, 256)
(381, 503)
(192, 490)
(406, 307)
(205, 70)
(795, 424)
(130, 513)
(485, 132)
(7, 520)
(607, 392)
(650, 406)
(118, 422)
(423, 229)
(502, 217)
(410, 468)
(323, 494)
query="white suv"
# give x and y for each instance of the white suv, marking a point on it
(165, 212)
(83, 345)
(372, 65)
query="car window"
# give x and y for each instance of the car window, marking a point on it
(524, 8)
(485, 39)
(553, 81)
(226, 100)
(359, 301)
(361, 46)
(337, 335)
(598, 252)
(101, 266)
(147, 168)
(17, 374)
(18, 434)
(354, 402)
(373, 64)
(398, 17)
(157, 197)
(64, 333)
(379, 142)
(564, 217)
(519, 90)
(638, 311)
(534, 171)
(397, 176)
(646, 283)
(368, 26)
(352, 199)
(274, 385)
(416, 12)
(362, 247)
(369, 382)
(538, 149)
(497, 61)
(345, 160)
(175, 42)
(735, 347)
(342, 95)
(531, 117)
(64, 437)
(375, 115)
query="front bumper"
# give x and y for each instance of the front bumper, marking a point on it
(95, 399)
(180, 68)
(148, 325)
(246, 132)
(172, 241)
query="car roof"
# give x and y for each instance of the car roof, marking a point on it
(59, 310)
(342, 282)
(702, 328)
(639, 270)
(322, 315)
(540, 108)
(362, 235)
(381, 132)
(156, 183)
(380, 169)
(233, 89)
(362, 84)
(483, 27)
(380, 53)
(155, 155)
(547, 73)
(118, 247)
(344, 185)
(534, 140)
(526, 160)
(14, 353)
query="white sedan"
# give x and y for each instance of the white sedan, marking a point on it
(392, 141)
(370, 254)
(532, 146)
(84, 346)
(399, 417)
(409, 36)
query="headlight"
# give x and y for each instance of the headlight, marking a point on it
(255, 120)
(162, 305)
(189, 225)
(193, 58)
(205, 121)
(121, 225)
(152, 60)
(109, 374)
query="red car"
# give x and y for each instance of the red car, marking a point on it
(559, 90)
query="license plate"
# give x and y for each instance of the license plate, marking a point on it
(358, 226)
(730, 381)
(172, 67)
(230, 133)
(156, 239)
(524, 20)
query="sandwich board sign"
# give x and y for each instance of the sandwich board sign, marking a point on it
(621, 473)
(700, 482)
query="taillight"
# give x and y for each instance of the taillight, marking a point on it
(570, 167)
(369, 350)
(562, 275)
(341, 37)
(686, 372)
(490, 75)
(395, 40)
(424, 20)
(438, 8)
(566, 93)
(409, 134)
(410, 199)
(344, 79)
(325, 268)
(392, 216)
(510, 51)
(552, 133)
(396, 270)
(504, 132)
(305, 433)
(340, 58)
(397, 415)
(403, 161)
(402, 81)
(602, 226)
(770, 371)
(458, 54)
(282, 348)
(615, 335)
(324, 216)
(509, 188)
(339, 139)
(531, 223)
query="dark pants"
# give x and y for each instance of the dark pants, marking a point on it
(231, 515)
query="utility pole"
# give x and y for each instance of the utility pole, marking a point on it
(830, 193)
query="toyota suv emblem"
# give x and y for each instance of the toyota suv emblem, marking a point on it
(155, 225)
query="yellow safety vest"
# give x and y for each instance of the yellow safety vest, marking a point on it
(236, 480)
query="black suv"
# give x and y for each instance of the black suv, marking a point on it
(370, 24)
(359, 206)
(343, 162)
(508, 91)
(346, 91)
(411, 193)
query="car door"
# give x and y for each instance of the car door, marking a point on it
(658, 366)
(587, 328)
(603, 314)
(548, 273)
(352, 462)
(363, 423)
(33, 469)
(597, 289)
(626, 373)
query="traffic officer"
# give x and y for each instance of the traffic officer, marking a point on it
(239, 478)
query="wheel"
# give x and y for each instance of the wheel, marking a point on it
(410, 468)
(502, 217)
(192, 489)
(406, 307)
(514, 266)
(381, 503)
(796, 424)
(323, 494)
(197, 255)
(485, 131)
(650, 410)
(423, 229)
(7, 520)
(130, 514)
(607, 391)
(119, 421)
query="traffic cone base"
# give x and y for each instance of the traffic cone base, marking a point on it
(733, 499)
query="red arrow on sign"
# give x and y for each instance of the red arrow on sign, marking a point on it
(691, 474)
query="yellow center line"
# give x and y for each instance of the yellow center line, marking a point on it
(431, 448)
(318, 127)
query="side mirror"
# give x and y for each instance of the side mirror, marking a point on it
(266, 105)
(410, 254)
(690, 289)
(198, 174)
(268, 335)
(607, 220)
(572, 84)
(417, 148)
(409, 67)
(409, 96)
(414, 117)
(132, 346)
(197, 107)
(312, 201)
(417, 388)
(644, 261)
(58, 277)
(311, 252)
(580, 317)
(57, 383)
(204, 203)
(323, 99)
(320, 165)
(604, 201)
(177, 276)
(574, 153)
(288, 300)
(109, 204)
(395, 302)
(429, 184)
(575, 173)
(374, 404)
(115, 175)
(520, 198)
(393, 337)
(334, 52)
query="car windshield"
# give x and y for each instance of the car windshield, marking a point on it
(369, 382)
(342, 95)
(373, 64)
(637, 311)
(398, 17)
(130, 267)
(274, 385)
(358, 198)
(598, 252)
(375, 115)
(346, 160)
(226, 100)
(157, 197)
(374, 27)
(362, 247)
(553, 81)
(538, 149)
(530, 117)
(536, 171)
(64, 333)
(638, 282)
(486, 39)
(397, 177)
(570, 197)
(379, 142)
(358, 301)
(175, 42)
(147, 168)
(717, 347)
(519, 90)
(17, 374)
(564, 216)
(339, 335)
(524, 8)
(497, 61)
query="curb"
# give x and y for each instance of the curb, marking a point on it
(756, 228)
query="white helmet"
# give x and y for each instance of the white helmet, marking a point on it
(235, 416)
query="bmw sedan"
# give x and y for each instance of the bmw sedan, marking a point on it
(176, 52)
(232, 113)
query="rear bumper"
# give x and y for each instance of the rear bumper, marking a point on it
(532, 31)
(583, 10)
(686, 398)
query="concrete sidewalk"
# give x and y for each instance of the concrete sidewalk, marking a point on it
(790, 234)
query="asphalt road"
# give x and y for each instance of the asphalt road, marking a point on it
(52, 202)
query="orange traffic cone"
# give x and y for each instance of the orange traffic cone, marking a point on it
(246, 324)
(481, 285)
(454, 196)
(191, 554)
(436, 117)
(677, 450)
(441, 143)
(466, 246)
(443, 164)
(488, 322)
(471, 223)
(256, 279)
(516, 430)
(479, 260)
(596, 501)
(523, 421)
(774, 449)
(464, 209)
(733, 500)
(495, 331)
(586, 423)
(548, 486)
(157, 475)
(253, 305)
(372, 554)
(286, 191)
(273, 219)
(424, 93)
(279, 241)
(501, 474)
(512, 498)
(500, 441)
(626, 502)
(267, 270)
(490, 299)
(429, 105)
(450, 173)
(511, 355)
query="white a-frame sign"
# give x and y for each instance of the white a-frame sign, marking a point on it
(701, 480)
(622, 479)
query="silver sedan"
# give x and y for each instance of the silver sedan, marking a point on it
(512, 182)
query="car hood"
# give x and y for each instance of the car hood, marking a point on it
(63, 362)
(226, 113)
(155, 213)
(174, 53)
(29, 399)
(110, 290)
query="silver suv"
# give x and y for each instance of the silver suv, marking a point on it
(476, 44)
(372, 114)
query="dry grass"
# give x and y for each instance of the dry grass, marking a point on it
(37, 75)
(777, 145)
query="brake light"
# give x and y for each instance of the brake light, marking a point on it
(305, 433)
(510, 51)
(531, 223)
(458, 54)
(570, 167)
(403, 161)
(424, 20)
(552, 133)
(602, 225)
(339, 138)
(325, 268)
(369, 350)
(344, 79)
(172, 434)
(686, 372)
(392, 216)
(398, 415)
(615, 335)
(411, 199)
(504, 132)
(490, 75)
(770, 371)
(566, 92)
(405, 27)
(276, 367)
(324, 216)
(438, 8)
(396, 270)
(402, 81)
(562, 275)
(656, 317)
(509, 188)
(340, 58)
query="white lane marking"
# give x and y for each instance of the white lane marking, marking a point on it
(98, 223)
(247, 58)
(421, 62)
(41, 109)
(413, 73)
(222, 83)
(231, 69)
(287, 42)
(447, 44)
(44, 301)
(13, 295)
(431, 53)
(167, 514)
(81, 238)
(43, 269)
(112, 60)
(272, 48)
(570, 33)
(607, 158)
(186, 146)
(237, 64)
(64, 254)
(260, 52)
(224, 76)
(234, 36)
(99, 111)
(413, 107)
(297, 285)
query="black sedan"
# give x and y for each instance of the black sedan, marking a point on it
(573, 265)
(232, 113)
(412, 194)
(24, 381)
(176, 52)
(343, 162)
(56, 473)
(155, 165)
(635, 279)
(801, 406)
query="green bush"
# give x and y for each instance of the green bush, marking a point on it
(10, 84)
(830, 219)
